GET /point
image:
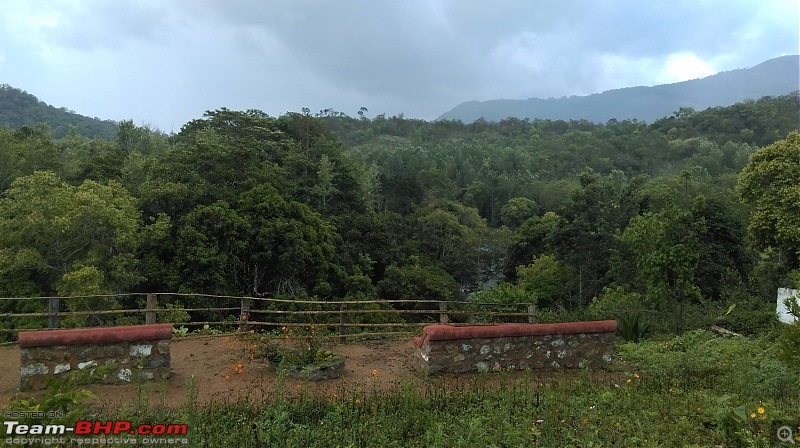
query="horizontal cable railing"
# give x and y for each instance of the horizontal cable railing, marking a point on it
(253, 312)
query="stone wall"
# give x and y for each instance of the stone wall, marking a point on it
(140, 352)
(446, 348)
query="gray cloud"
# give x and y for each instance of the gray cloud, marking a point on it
(167, 62)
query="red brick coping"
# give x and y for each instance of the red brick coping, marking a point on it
(449, 332)
(87, 336)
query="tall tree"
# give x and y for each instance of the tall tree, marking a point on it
(666, 247)
(770, 184)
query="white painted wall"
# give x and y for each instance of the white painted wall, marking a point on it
(783, 312)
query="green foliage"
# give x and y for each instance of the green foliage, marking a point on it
(648, 400)
(449, 235)
(173, 313)
(769, 184)
(632, 327)
(70, 240)
(546, 279)
(749, 315)
(418, 282)
(502, 297)
(20, 108)
(667, 250)
(331, 206)
(747, 367)
(615, 302)
(518, 210)
(64, 396)
(729, 418)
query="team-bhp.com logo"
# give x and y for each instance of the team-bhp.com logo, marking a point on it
(94, 432)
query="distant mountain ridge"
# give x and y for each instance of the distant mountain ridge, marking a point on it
(777, 76)
(19, 108)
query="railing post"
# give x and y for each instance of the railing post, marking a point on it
(531, 314)
(52, 310)
(342, 322)
(244, 316)
(443, 317)
(150, 309)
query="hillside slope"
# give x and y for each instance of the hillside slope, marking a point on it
(777, 76)
(19, 108)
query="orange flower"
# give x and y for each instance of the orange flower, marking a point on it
(252, 331)
(375, 373)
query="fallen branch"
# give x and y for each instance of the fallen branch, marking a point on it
(724, 332)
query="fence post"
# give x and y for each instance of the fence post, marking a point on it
(244, 317)
(443, 317)
(342, 322)
(150, 309)
(531, 314)
(52, 310)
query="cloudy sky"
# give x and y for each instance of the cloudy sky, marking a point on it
(164, 62)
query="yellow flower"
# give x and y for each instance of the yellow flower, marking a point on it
(628, 380)
(753, 415)
(636, 375)
(761, 410)
(375, 373)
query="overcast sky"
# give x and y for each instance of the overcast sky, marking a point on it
(165, 62)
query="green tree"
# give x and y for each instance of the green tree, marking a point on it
(517, 210)
(69, 240)
(546, 279)
(667, 249)
(417, 282)
(770, 184)
(449, 234)
(210, 247)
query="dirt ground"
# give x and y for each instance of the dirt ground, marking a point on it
(380, 364)
(373, 363)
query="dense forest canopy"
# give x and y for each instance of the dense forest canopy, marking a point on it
(571, 215)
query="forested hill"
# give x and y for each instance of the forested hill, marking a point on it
(595, 219)
(777, 76)
(19, 108)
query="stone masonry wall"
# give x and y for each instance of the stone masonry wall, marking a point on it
(515, 346)
(139, 352)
